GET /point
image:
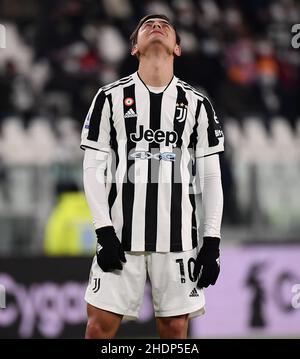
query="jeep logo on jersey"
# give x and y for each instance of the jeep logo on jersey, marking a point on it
(159, 136)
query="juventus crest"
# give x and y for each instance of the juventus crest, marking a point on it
(180, 112)
(96, 287)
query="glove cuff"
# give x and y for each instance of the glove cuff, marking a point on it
(105, 233)
(211, 243)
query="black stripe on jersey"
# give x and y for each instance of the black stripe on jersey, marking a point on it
(118, 84)
(192, 165)
(95, 117)
(192, 169)
(180, 114)
(115, 156)
(153, 173)
(194, 222)
(176, 210)
(128, 183)
(176, 190)
(212, 125)
(194, 134)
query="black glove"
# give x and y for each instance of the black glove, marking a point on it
(109, 250)
(207, 265)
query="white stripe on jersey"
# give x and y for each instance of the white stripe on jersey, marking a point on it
(165, 186)
(141, 174)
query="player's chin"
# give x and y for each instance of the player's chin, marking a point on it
(160, 43)
(156, 40)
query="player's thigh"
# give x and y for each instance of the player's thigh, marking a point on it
(119, 291)
(101, 323)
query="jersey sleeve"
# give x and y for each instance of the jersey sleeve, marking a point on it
(96, 128)
(210, 137)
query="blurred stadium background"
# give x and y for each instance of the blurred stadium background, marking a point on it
(57, 54)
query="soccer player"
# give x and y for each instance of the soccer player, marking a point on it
(151, 144)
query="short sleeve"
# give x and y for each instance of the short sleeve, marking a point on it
(96, 128)
(210, 137)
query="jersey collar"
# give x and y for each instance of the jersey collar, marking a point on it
(169, 87)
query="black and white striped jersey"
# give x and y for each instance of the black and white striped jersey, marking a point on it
(152, 140)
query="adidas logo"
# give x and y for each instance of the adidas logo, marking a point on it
(130, 113)
(194, 293)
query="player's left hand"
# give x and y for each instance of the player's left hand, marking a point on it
(207, 266)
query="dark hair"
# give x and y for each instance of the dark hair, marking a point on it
(134, 35)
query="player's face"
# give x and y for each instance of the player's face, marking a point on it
(156, 32)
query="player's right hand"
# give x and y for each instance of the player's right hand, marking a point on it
(110, 253)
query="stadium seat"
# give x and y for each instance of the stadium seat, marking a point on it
(43, 143)
(255, 131)
(14, 142)
(233, 133)
(283, 139)
(68, 148)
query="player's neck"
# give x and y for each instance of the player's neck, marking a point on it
(157, 71)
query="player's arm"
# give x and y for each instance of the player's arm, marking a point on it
(96, 143)
(207, 265)
(210, 143)
(94, 166)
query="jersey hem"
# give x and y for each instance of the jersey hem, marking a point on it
(177, 249)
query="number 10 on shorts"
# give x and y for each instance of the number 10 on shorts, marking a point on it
(182, 270)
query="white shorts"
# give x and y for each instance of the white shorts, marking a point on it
(174, 290)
